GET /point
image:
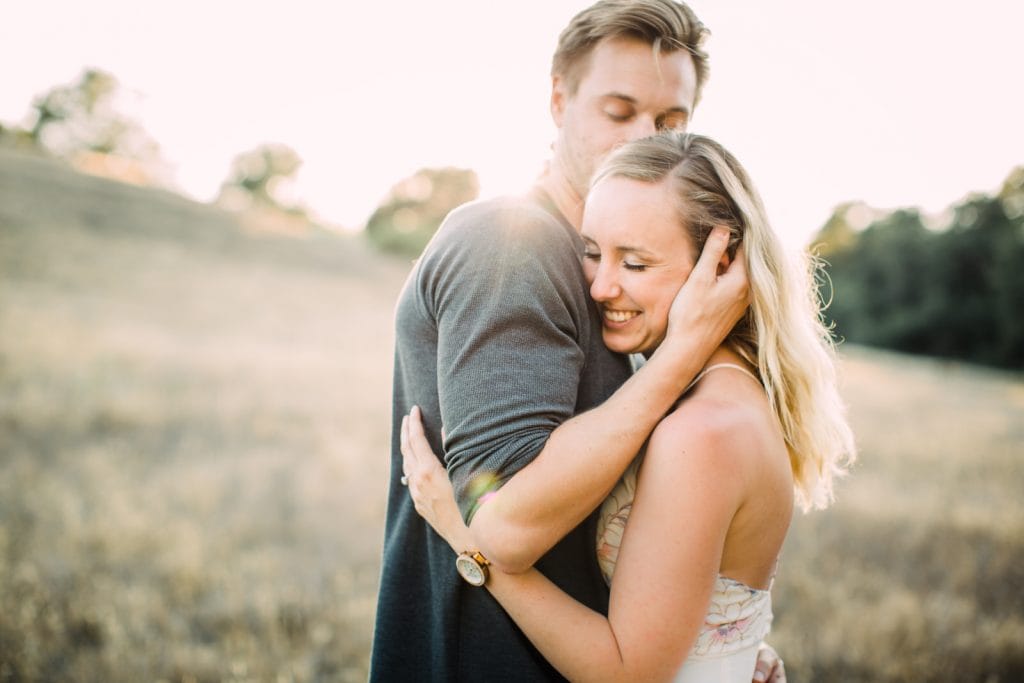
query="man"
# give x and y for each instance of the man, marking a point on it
(500, 345)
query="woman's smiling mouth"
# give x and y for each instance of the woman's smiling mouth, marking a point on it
(616, 316)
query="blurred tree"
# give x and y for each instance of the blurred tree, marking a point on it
(842, 228)
(414, 208)
(881, 300)
(69, 120)
(1009, 266)
(260, 178)
(981, 256)
(1012, 196)
(956, 293)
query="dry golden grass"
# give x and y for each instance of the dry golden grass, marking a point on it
(193, 452)
(193, 436)
(917, 572)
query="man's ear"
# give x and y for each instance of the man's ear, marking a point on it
(558, 99)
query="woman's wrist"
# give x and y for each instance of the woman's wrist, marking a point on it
(678, 360)
(460, 538)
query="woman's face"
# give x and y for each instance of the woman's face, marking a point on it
(636, 257)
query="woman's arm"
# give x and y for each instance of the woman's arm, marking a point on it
(687, 494)
(584, 457)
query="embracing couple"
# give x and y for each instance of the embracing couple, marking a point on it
(605, 410)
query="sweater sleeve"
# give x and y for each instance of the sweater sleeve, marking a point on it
(509, 301)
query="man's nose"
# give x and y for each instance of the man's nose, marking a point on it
(643, 126)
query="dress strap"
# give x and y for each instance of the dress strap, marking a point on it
(709, 368)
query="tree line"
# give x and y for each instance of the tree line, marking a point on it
(954, 292)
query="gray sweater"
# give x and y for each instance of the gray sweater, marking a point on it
(498, 340)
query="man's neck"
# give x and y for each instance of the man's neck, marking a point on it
(562, 194)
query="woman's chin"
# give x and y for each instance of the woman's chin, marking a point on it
(619, 345)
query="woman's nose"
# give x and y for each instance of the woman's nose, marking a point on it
(605, 286)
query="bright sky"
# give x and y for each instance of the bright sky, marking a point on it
(894, 102)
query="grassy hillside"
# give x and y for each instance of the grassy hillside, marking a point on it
(193, 448)
(193, 438)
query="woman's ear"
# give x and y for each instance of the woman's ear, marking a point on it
(723, 264)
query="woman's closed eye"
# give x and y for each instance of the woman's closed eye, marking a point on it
(595, 257)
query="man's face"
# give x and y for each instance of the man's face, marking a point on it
(626, 92)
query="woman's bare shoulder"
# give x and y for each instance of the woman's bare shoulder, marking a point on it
(695, 449)
(708, 426)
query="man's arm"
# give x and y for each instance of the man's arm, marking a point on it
(504, 288)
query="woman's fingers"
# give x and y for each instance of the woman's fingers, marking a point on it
(419, 462)
(711, 255)
(735, 274)
(417, 437)
(713, 298)
(424, 455)
(428, 483)
(407, 457)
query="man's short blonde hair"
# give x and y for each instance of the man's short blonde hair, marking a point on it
(666, 25)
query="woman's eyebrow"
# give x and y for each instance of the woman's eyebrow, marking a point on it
(625, 248)
(620, 248)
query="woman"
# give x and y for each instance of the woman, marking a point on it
(710, 500)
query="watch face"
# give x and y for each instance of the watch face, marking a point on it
(468, 569)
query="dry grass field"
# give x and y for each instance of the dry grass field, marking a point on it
(193, 448)
(917, 572)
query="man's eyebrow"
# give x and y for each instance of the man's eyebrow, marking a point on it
(621, 96)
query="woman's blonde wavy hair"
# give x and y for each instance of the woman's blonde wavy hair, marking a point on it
(782, 333)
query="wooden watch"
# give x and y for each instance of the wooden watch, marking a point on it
(472, 566)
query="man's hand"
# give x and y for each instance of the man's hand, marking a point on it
(769, 667)
(710, 303)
